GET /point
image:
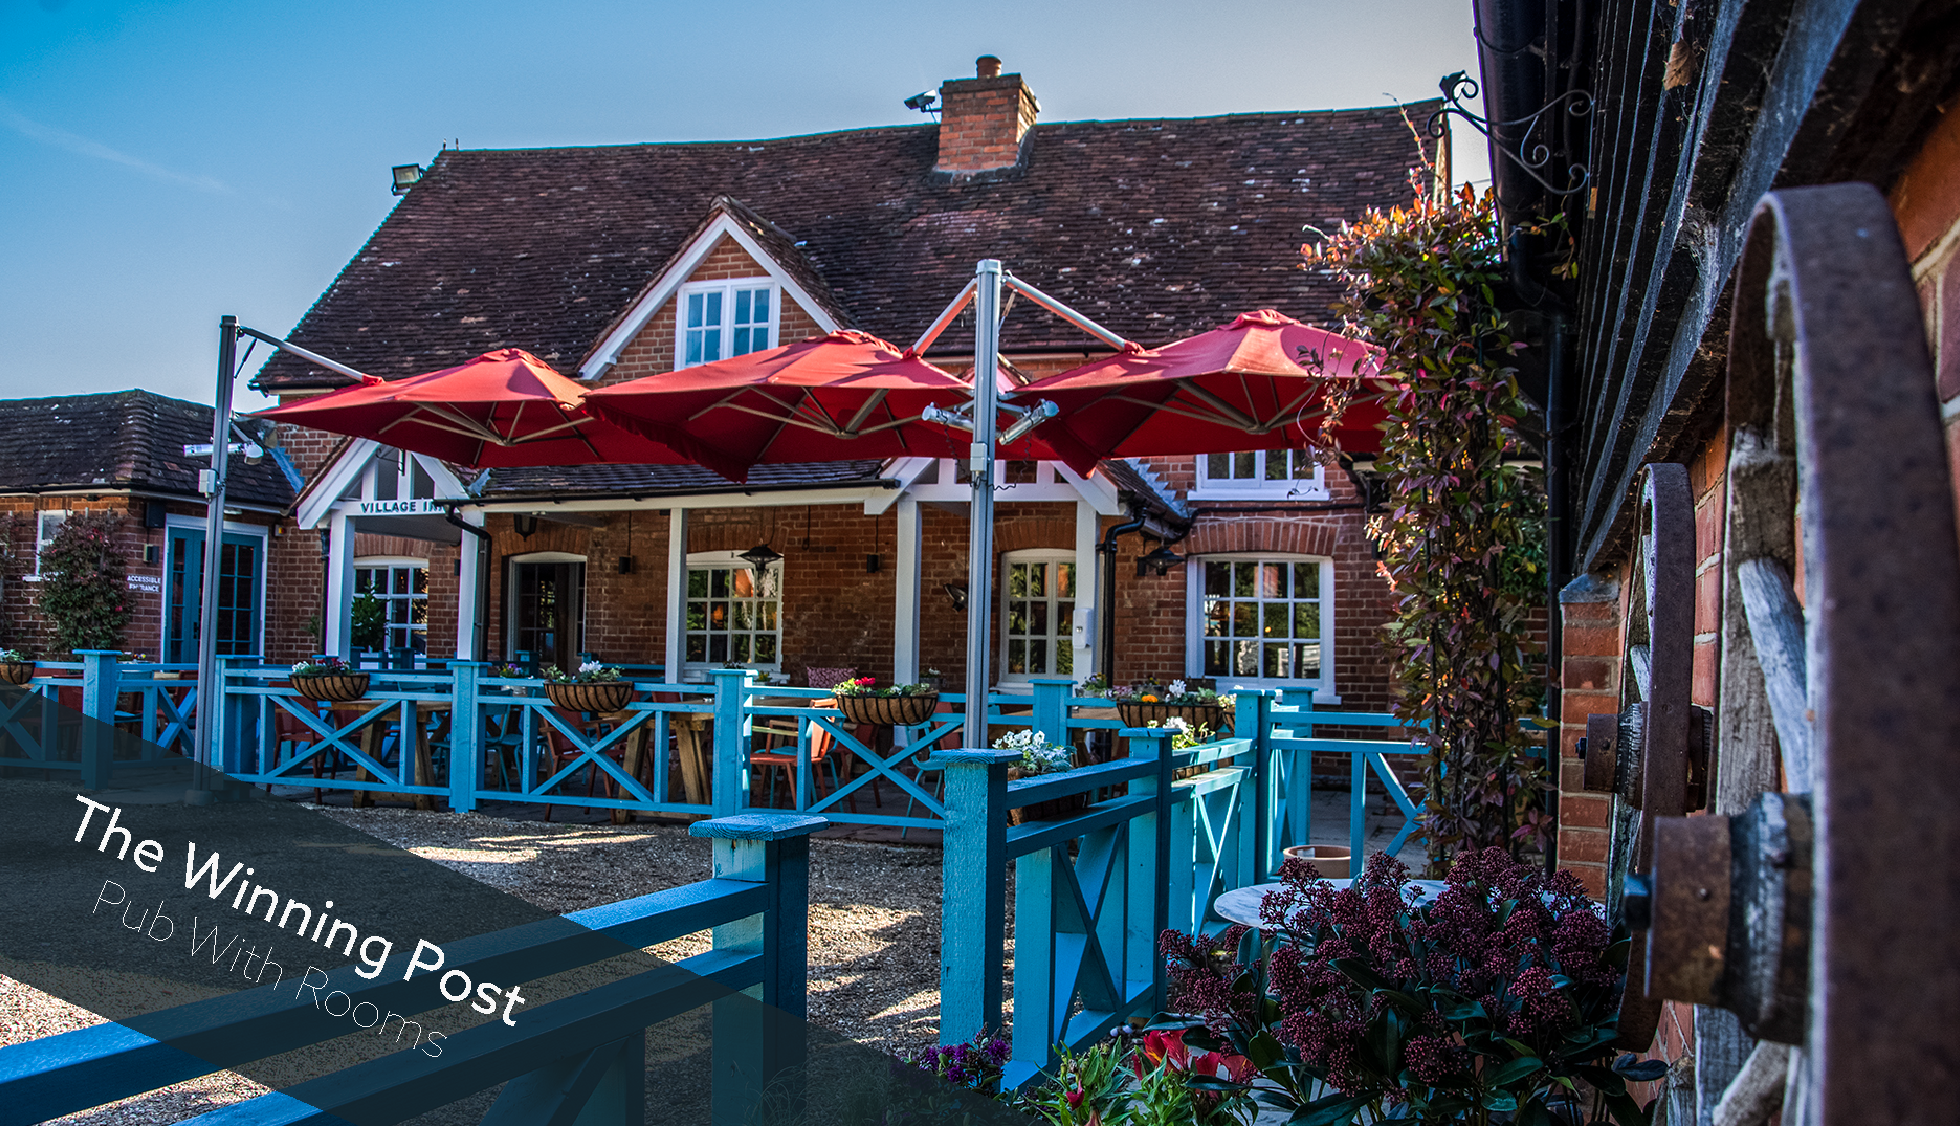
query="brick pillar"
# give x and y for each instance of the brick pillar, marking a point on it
(1589, 611)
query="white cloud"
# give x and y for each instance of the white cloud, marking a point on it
(82, 146)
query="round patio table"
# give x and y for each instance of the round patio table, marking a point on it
(1241, 905)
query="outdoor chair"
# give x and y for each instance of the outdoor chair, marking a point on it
(563, 751)
(291, 737)
(781, 732)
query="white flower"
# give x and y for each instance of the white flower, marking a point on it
(589, 667)
(1178, 723)
(298, 665)
(1176, 688)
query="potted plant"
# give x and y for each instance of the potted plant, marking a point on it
(1038, 757)
(509, 672)
(1494, 1000)
(1146, 704)
(329, 680)
(1097, 685)
(16, 667)
(897, 705)
(1184, 736)
(593, 688)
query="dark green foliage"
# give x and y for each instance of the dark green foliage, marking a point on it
(84, 583)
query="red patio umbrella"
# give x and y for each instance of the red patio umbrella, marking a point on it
(503, 408)
(1247, 385)
(845, 395)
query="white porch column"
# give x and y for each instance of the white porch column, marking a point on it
(469, 592)
(340, 585)
(1088, 588)
(676, 591)
(910, 568)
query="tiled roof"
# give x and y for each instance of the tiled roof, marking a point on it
(617, 480)
(121, 440)
(1156, 228)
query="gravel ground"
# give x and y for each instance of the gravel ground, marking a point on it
(874, 927)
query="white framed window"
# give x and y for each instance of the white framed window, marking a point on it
(47, 525)
(401, 586)
(717, 320)
(1037, 615)
(733, 616)
(1262, 621)
(1261, 475)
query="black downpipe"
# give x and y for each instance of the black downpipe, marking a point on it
(1106, 550)
(482, 581)
(1512, 60)
(1558, 556)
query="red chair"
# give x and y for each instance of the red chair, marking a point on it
(781, 734)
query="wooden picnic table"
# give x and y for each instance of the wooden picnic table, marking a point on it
(424, 772)
(693, 743)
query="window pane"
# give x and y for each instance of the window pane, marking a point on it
(1244, 466)
(1276, 619)
(1037, 579)
(717, 616)
(363, 579)
(711, 344)
(1017, 580)
(713, 317)
(1275, 465)
(718, 583)
(1308, 658)
(1218, 467)
(1065, 620)
(421, 581)
(1064, 658)
(401, 580)
(1037, 657)
(1217, 658)
(1217, 613)
(742, 306)
(696, 303)
(765, 648)
(1242, 579)
(1218, 579)
(1017, 618)
(697, 648)
(1272, 580)
(762, 316)
(1303, 465)
(1245, 658)
(1244, 619)
(1275, 661)
(743, 581)
(1306, 619)
(738, 648)
(766, 616)
(697, 616)
(1306, 580)
(741, 622)
(1065, 580)
(693, 347)
(1038, 618)
(1017, 657)
(718, 647)
(697, 584)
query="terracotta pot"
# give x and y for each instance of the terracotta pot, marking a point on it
(332, 688)
(600, 696)
(1054, 809)
(888, 711)
(17, 672)
(1334, 861)
(1135, 713)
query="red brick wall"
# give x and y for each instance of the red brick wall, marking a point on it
(982, 123)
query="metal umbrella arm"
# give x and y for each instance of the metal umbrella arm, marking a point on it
(1053, 305)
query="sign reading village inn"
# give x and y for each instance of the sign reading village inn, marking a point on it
(415, 507)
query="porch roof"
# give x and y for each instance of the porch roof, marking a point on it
(123, 441)
(589, 481)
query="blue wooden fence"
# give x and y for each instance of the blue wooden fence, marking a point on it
(588, 1048)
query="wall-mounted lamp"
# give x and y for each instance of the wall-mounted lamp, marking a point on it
(625, 564)
(524, 523)
(956, 592)
(761, 555)
(1159, 562)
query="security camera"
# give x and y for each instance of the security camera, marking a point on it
(922, 101)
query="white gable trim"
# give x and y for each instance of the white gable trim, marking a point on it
(669, 281)
(334, 483)
(1053, 482)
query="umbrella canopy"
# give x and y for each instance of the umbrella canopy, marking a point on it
(1241, 386)
(503, 408)
(842, 396)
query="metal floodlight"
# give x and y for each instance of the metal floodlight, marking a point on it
(762, 555)
(1034, 416)
(406, 177)
(1159, 562)
(922, 101)
(956, 592)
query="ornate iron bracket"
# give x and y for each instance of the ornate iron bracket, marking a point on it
(1531, 156)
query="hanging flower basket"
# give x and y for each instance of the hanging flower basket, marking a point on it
(17, 672)
(1135, 713)
(1054, 809)
(600, 696)
(889, 711)
(331, 688)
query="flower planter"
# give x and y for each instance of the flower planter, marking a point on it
(600, 696)
(332, 688)
(1217, 716)
(1333, 861)
(17, 672)
(1054, 809)
(889, 711)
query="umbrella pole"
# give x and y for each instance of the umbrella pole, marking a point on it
(980, 530)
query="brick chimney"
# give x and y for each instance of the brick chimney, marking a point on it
(984, 122)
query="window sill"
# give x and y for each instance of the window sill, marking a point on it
(1303, 496)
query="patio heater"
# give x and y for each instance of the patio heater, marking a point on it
(210, 692)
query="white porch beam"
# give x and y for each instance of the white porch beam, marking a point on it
(786, 498)
(340, 585)
(469, 591)
(676, 592)
(911, 565)
(1088, 589)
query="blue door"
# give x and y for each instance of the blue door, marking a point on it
(241, 567)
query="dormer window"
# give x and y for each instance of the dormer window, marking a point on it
(723, 319)
(1261, 475)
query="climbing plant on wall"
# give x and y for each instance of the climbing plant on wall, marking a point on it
(1462, 540)
(84, 583)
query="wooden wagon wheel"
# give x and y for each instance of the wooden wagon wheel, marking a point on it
(1640, 755)
(1819, 904)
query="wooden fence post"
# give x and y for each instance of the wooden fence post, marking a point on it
(760, 1045)
(973, 863)
(1252, 719)
(731, 745)
(1051, 708)
(465, 734)
(100, 680)
(1150, 863)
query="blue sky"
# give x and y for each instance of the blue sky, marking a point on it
(166, 162)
